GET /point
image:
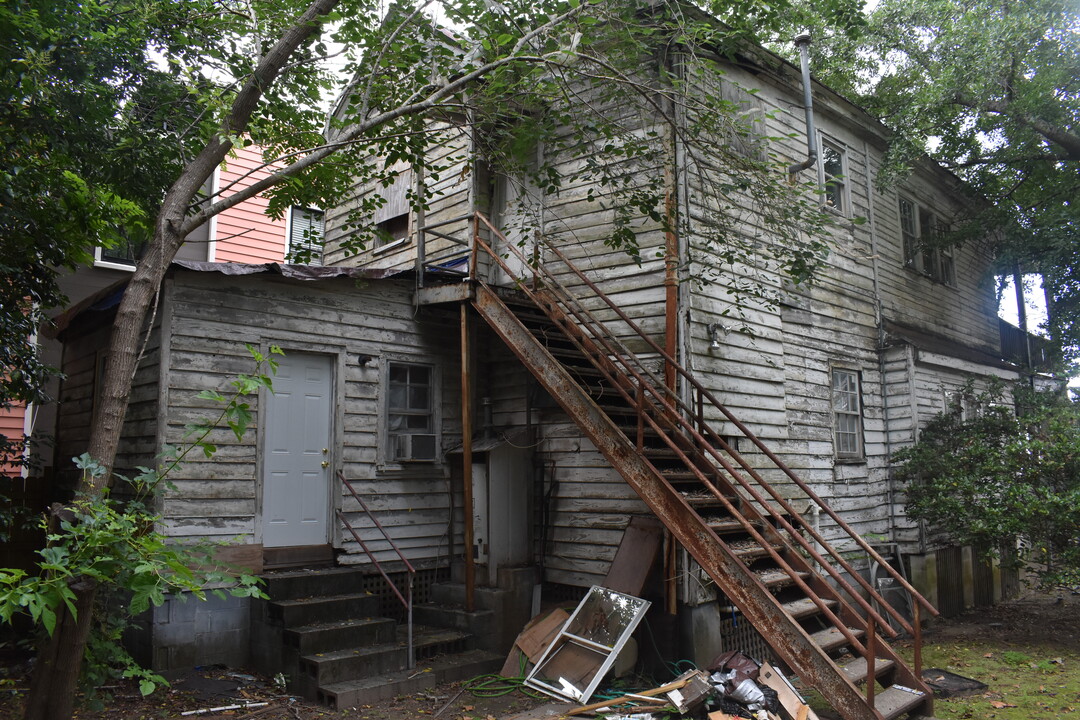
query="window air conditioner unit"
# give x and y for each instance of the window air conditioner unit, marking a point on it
(414, 447)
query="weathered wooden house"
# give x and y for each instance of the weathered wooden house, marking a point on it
(504, 422)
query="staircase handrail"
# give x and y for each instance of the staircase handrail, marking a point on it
(407, 598)
(621, 352)
(703, 393)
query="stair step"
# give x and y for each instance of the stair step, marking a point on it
(855, 670)
(292, 584)
(365, 661)
(749, 551)
(725, 526)
(703, 500)
(323, 637)
(444, 669)
(804, 607)
(894, 701)
(776, 578)
(312, 610)
(831, 638)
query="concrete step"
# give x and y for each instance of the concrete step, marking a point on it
(321, 669)
(327, 636)
(452, 594)
(426, 674)
(293, 584)
(481, 624)
(312, 610)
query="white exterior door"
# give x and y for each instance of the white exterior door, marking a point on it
(296, 455)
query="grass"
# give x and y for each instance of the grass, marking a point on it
(1025, 682)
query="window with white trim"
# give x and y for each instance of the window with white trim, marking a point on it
(410, 413)
(123, 255)
(305, 236)
(833, 176)
(847, 413)
(922, 231)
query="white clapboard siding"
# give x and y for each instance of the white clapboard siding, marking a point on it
(212, 316)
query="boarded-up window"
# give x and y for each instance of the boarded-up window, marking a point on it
(748, 134)
(392, 219)
(305, 236)
(847, 414)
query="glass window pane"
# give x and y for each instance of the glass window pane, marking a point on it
(418, 398)
(833, 161)
(419, 423)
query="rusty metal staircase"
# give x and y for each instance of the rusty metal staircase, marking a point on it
(771, 564)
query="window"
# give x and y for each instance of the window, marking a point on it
(393, 229)
(305, 236)
(922, 232)
(392, 216)
(410, 412)
(847, 414)
(123, 255)
(834, 176)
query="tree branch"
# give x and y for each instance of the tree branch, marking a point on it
(1068, 141)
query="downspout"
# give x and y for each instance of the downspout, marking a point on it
(802, 41)
(879, 318)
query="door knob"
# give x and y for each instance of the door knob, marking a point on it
(326, 463)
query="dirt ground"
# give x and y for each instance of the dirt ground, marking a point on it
(1027, 651)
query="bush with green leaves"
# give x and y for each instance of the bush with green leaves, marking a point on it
(114, 539)
(1003, 473)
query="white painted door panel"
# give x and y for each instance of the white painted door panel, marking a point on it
(296, 472)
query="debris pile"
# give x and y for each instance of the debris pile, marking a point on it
(567, 656)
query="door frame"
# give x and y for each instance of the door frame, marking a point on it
(337, 355)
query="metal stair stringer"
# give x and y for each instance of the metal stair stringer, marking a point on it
(759, 606)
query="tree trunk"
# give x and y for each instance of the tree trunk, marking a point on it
(56, 673)
(52, 692)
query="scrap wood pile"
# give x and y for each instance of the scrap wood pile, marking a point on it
(567, 656)
(735, 687)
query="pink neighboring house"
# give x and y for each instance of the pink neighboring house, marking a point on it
(12, 424)
(242, 234)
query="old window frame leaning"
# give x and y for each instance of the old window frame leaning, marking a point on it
(833, 177)
(847, 411)
(306, 228)
(411, 412)
(923, 255)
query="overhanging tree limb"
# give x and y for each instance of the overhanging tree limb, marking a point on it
(1068, 141)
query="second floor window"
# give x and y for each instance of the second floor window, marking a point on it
(922, 232)
(847, 414)
(305, 236)
(834, 177)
